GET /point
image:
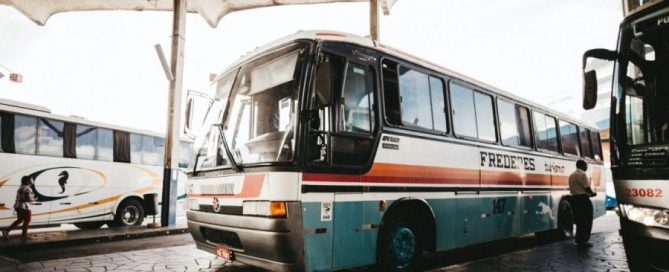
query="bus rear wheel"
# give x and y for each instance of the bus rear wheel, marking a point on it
(400, 245)
(129, 213)
(89, 225)
(565, 228)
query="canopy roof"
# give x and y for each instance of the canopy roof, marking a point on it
(212, 11)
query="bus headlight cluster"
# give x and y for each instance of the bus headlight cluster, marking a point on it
(193, 205)
(265, 208)
(647, 216)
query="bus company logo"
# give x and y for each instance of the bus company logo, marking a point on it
(216, 205)
(496, 160)
(391, 139)
(553, 168)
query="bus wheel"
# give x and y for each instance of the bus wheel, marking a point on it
(565, 221)
(129, 213)
(89, 225)
(401, 248)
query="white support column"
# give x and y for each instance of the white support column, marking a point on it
(171, 165)
(374, 19)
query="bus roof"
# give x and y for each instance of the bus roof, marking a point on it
(41, 111)
(326, 35)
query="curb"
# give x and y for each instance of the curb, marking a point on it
(91, 240)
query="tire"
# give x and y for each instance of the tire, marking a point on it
(89, 225)
(566, 221)
(400, 245)
(129, 213)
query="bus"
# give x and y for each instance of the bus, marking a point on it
(639, 130)
(334, 151)
(86, 173)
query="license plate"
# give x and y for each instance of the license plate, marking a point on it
(224, 252)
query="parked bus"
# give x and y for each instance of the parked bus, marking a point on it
(639, 131)
(86, 173)
(336, 152)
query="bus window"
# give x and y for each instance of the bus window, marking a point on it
(569, 138)
(355, 104)
(596, 145)
(545, 132)
(135, 148)
(25, 134)
(438, 104)
(464, 115)
(212, 153)
(414, 96)
(152, 150)
(514, 124)
(472, 113)
(391, 93)
(105, 145)
(87, 139)
(50, 138)
(121, 146)
(585, 143)
(485, 118)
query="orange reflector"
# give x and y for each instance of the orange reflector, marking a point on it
(277, 209)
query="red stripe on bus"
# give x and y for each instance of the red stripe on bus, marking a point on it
(398, 173)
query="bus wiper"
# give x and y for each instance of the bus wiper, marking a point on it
(233, 163)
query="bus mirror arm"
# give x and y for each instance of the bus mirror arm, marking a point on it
(590, 77)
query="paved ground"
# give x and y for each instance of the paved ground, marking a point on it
(517, 254)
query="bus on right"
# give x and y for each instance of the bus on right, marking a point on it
(639, 130)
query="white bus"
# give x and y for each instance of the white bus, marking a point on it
(336, 152)
(86, 173)
(639, 130)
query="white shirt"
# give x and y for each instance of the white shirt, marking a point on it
(578, 181)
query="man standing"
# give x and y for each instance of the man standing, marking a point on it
(580, 190)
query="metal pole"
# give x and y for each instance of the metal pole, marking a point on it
(374, 19)
(170, 173)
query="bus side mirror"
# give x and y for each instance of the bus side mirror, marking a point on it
(589, 89)
(590, 77)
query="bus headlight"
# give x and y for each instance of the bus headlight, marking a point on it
(193, 205)
(265, 208)
(647, 216)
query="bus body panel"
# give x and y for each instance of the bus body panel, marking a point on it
(93, 190)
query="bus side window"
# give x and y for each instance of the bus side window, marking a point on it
(105, 145)
(355, 114)
(514, 124)
(391, 93)
(596, 145)
(25, 134)
(546, 132)
(50, 138)
(585, 143)
(121, 146)
(136, 148)
(87, 141)
(569, 138)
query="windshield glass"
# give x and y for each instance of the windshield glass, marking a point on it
(259, 121)
(642, 79)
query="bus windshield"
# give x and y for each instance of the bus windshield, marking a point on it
(642, 79)
(259, 122)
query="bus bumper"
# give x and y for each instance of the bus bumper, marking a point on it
(651, 243)
(270, 243)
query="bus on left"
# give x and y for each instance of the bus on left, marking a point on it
(86, 173)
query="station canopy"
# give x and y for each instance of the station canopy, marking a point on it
(212, 11)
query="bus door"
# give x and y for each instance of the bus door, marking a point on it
(340, 140)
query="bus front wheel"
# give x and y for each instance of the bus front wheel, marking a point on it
(400, 247)
(129, 213)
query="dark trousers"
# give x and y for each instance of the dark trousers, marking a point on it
(582, 208)
(23, 216)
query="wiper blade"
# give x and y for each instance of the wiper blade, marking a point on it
(233, 163)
